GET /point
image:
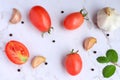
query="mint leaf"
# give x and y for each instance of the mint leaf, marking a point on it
(108, 71)
(112, 55)
(103, 59)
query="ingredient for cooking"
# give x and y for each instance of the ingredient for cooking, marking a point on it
(103, 59)
(111, 57)
(73, 63)
(92, 69)
(16, 52)
(18, 70)
(108, 71)
(16, 16)
(40, 18)
(74, 20)
(108, 19)
(37, 60)
(10, 34)
(89, 43)
(22, 22)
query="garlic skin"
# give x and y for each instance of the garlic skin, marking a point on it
(108, 19)
(16, 16)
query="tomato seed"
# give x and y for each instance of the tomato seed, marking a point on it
(22, 22)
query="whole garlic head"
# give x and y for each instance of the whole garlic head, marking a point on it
(108, 19)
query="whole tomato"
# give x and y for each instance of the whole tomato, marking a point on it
(40, 18)
(74, 20)
(73, 63)
(16, 52)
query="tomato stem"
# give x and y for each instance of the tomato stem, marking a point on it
(84, 12)
(77, 51)
(43, 34)
(74, 52)
(49, 31)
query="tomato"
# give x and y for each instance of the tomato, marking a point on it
(40, 18)
(73, 21)
(73, 63)
(16, 52)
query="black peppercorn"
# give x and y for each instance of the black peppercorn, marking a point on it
(22, 22)
(62, 11)
(10, 34)
(18, 70)
(46, 63)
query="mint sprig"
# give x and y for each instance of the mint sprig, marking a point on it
(111, 57)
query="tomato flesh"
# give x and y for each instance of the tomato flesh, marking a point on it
(73, 64)
(40, 18)
(73, 21)
(16, 52)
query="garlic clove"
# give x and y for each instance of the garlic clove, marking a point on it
(89, 43)
(37, 60)
(16, 16)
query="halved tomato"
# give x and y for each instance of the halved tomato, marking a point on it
(16, 52)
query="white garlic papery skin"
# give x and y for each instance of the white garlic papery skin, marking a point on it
(108, 19)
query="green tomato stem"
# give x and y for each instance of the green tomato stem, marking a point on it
(49, 31)
(84, 12)
(43, 34)
(74, 52)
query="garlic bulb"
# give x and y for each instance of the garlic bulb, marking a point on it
(16, 16)
(108, 19)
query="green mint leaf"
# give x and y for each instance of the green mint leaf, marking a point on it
(108, 71)
(112, 55)
(103, 59)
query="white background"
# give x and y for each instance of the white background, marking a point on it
(65, 40)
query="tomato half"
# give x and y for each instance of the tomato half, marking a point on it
(73, 63)
(40, 18)
(73, 21)
(16, 52)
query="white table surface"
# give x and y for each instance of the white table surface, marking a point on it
(65, 40)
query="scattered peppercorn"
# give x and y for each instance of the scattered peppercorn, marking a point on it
(46, 63)
(62, 11)
(10, 34)
(107, 34)
(53, 41)
(18, 70)
(94, 52)
(92, 69)
(22, 22)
